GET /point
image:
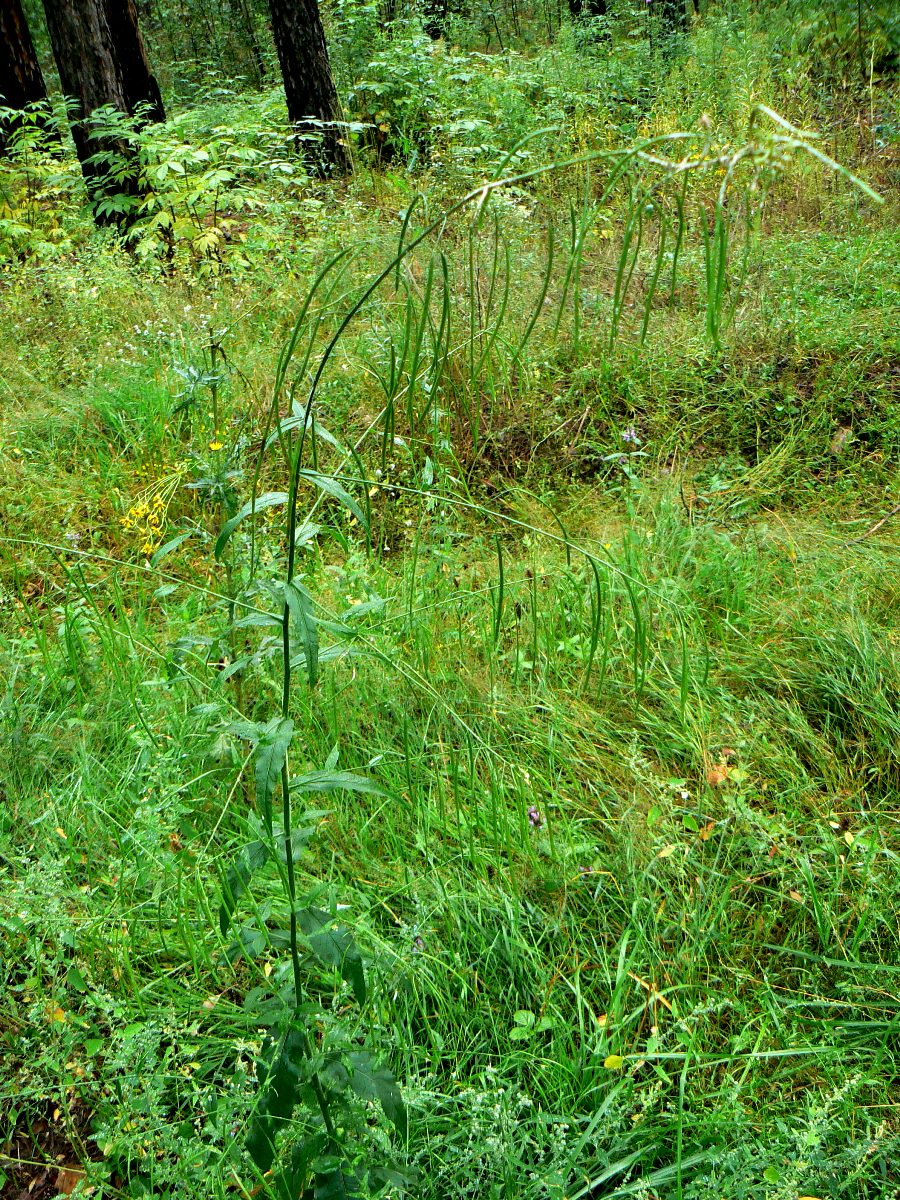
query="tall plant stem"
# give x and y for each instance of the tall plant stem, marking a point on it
(321, 1098)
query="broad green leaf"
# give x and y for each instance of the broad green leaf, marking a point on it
(336, 1185)
(335, 947)
(281, 1078)
(266, 500)
(329, 654)
(363, 608)
(373, 1082)
(333, 755)
(271, 752)
(254, 619)
(250, 943)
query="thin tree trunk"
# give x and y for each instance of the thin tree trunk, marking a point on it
(309, 88)
(21, 79)
(244, 17)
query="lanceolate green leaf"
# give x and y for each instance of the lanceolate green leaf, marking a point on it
(331, 487)
(271, 751)
(335, 781)
(266, 500)
(171, 545)
(237, 878)
(300, 605)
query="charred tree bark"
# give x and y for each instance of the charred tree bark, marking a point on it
(21, 79)
(101, 61)
(311, 95)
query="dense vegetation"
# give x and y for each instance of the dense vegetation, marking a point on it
(449, 657)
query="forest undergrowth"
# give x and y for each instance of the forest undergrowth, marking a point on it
(449, 655)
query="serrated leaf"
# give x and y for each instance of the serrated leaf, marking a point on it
(271, 752)
(329, 485)
(266, 500)
(335, 946)
(237, 878)
(335, 1075)
(300, 605)
(373, 1082)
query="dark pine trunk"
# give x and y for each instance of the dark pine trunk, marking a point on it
(308, 85)
(587, 8)
(674, 16)
(21, 80)
(434, 18)
(139, 82)
(101, 61)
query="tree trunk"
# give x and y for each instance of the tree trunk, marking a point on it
(101, 61)
(139, 82)
(308, 85)
(674, 16)
(21, 80)
(434, 18)
(587, 8)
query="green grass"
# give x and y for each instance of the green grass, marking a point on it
(618, 845)
(707, 890)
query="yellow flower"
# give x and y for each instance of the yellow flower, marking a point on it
(215, 445)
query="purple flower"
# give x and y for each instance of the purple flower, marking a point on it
(418, 944)
(534, 817)
(630, 435)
